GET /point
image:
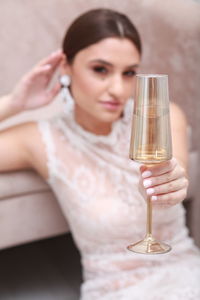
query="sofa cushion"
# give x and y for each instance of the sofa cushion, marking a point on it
(19, 183)
(29, 218)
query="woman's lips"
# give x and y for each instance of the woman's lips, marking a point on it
(110, 105)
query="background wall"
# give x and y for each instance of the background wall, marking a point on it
(170, 32)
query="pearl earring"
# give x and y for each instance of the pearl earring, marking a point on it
(65, 81)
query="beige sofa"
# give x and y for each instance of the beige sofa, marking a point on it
(28, 209)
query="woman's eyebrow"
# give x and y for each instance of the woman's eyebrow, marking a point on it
(101, 61)
(133, 66)
(104, 62)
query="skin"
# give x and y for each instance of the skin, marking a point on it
(102, 72)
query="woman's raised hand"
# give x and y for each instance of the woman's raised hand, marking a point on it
(165, 183)
(33, 90)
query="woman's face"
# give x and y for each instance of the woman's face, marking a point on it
(103, 78)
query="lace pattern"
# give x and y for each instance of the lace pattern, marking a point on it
(97, 188)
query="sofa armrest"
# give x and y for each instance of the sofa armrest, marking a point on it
(20, 183)
(29, 210)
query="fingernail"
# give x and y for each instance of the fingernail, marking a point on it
(147, 183)
(150, 191)
(154, 198)
(146, 174)
(47, 67)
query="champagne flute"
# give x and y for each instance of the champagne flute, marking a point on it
(151, 141)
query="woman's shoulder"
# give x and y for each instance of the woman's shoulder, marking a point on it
(177, 112)
(35, 147)
(21, 147)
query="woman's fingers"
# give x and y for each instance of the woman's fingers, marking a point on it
(158, 169)
(41, 75)
(168, 187)
(165, 183)
(36, 74)
(43, 72)
(54, 58)
(33, 90)
(46, 66)
(166, 177)
(170, 198)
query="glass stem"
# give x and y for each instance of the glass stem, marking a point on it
(149, 216)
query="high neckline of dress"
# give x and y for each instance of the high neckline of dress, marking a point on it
(116, 128)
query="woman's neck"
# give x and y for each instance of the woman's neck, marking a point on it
(91, 124)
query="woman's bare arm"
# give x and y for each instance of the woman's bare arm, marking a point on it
(33, 91)
(179, 135)
(21, 147)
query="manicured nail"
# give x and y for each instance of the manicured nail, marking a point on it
(146, 174)
(150, 191)
(147, 183)
(47, 67)
(154, 198)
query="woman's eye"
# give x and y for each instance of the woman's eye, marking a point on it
(101, 70)
(130, 73)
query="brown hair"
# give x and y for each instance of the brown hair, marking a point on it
(95, 25)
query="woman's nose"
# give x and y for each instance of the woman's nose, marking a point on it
(116, 87)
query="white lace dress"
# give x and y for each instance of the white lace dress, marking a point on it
(97, 188)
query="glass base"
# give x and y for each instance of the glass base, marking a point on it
(149, 246)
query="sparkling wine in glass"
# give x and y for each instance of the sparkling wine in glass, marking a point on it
(151, 141)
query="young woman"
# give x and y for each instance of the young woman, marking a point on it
(83, 155)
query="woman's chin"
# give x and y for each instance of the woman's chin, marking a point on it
(110, 118)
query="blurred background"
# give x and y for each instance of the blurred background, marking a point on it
(170, 31)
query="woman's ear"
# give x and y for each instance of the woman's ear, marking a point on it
(65, 67)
